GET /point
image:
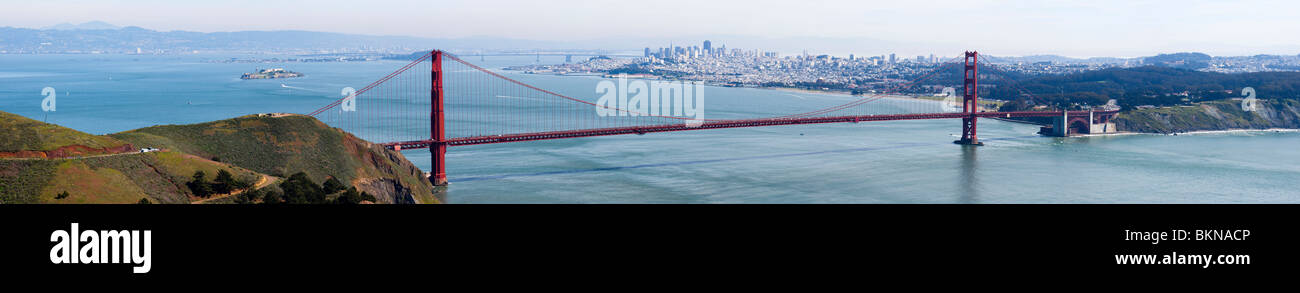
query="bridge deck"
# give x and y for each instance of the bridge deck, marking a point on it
(476, 140)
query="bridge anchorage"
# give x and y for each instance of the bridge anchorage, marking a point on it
(470, 105)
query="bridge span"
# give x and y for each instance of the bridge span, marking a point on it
(519, 112)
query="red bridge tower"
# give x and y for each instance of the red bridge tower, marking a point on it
(970, 97)
(438, 148)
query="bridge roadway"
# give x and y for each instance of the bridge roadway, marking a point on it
(719, 124)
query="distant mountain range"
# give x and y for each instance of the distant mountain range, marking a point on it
(1189, 60)
(1057, 59)
(93, 25)
(101, 37)
(1180, 60)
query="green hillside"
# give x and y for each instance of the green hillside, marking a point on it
(251, 149)
(24, 137)
(47, 163)
(158, 176)
(285, 144)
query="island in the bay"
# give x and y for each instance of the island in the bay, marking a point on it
(271, 73)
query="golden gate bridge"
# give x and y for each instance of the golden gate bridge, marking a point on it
(470, 105)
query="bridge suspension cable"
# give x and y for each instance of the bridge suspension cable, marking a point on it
(483, 102)
(429, 103)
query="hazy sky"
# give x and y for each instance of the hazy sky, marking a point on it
(1012, 27)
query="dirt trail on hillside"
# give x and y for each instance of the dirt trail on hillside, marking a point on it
(72, 157)
(263, 182)
(70, 152)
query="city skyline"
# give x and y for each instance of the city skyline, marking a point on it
(1099, 28)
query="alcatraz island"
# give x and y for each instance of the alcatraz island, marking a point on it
(271, 73)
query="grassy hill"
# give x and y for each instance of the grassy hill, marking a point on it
(126, 178)
(250, 148)
(41, 161)
(26, 138)
(284, 144)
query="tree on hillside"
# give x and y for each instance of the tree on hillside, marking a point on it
(351, 196)
(271, 197)
(298, 189)
(333, 185)
(241, 184)
(249, 196)
(200, 185)
(224, 183)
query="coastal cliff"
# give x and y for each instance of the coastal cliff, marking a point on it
(1211, 115)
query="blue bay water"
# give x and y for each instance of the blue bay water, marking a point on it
(877, 162)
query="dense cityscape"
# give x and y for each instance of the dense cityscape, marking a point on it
(740, 67)
(748, 67)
